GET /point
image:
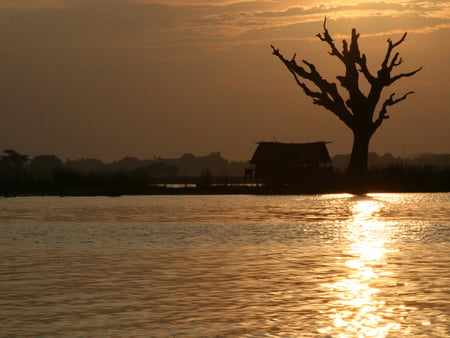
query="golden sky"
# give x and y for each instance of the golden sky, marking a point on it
(111, 78)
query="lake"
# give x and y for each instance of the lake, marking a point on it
(226, 266)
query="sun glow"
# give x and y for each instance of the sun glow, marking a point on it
(357, 312)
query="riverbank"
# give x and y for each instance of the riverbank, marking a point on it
(227, 190)
(393, 179)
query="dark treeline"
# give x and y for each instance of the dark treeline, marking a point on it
(49, 175)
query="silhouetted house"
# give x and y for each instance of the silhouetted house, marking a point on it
(289, 163)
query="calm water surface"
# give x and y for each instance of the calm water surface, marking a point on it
(226, 266)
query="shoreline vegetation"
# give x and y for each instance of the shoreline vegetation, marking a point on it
(46, 175)
(391, 179)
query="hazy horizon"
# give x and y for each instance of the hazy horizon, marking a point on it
(202, 155)
(113, 78)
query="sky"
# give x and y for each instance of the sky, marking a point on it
(159, 78)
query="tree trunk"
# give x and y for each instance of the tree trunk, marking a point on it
(360, 153)
(357, 168)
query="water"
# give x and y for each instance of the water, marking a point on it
(226, 266)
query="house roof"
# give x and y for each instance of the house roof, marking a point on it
(291, 153)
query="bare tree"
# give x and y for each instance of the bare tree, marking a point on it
(358, 111)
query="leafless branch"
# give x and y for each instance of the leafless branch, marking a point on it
(391, 46)
(394, 62)
(326, 37)
(365, 70)
(327, 96)
(399, 76)
(388, 102)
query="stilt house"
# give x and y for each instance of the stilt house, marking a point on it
(278, 163)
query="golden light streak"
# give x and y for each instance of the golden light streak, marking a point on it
(357, 311)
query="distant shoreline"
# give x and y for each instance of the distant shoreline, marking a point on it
(47, 175)
(224, 190)
(63, 182)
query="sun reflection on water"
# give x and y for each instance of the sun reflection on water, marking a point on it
(356, 310)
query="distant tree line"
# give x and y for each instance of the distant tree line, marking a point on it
(47, 174)
(424, 160)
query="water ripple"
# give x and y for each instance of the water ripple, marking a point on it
(226, 266)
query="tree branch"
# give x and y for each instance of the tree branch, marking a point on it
(391, 46)
(350, 57)
(394, 62)
(388, 102)
(384, 77)
(365, 70)
(384, 74)
(329, 40)
(328, 96)
(399, 76)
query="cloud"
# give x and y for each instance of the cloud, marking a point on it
(246, 22)
(204, 24)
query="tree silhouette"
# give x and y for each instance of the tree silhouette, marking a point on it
(358, 111)
(13, 161)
